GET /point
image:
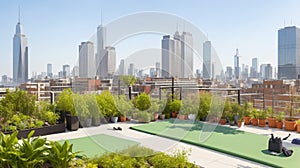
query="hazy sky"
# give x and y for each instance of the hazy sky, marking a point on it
(55, 28)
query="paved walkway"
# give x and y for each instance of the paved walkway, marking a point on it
(201, 156)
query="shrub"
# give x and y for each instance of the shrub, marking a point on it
(142, 102)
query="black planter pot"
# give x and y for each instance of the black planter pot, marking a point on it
(72, 122)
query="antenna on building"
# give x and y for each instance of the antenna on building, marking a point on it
(19, 17)
(101, 17)
(177, 25)
(283, 22)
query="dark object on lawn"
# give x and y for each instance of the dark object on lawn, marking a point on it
(287, 152)
(275, 144)
(119, 128)
(296, 141)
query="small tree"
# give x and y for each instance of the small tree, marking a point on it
(142, 102)
(65, 102)
(123, 105)
(106, 104)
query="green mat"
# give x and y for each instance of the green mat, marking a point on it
(97, 145)
(242, 144)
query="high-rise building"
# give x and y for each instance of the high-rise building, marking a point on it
(177, 55)
(289, 53)
(157, 69)
(237, 65)
(66, 71)
(131, 70)
(87, 65)
(266, 71)
(254, 68)
(228, 73)
(20, 55)
(75, 71)
(207, 60)
(108, 63)
(49, 70)
(121, 70)
(101, 44)
(187, 54)
(152, 72)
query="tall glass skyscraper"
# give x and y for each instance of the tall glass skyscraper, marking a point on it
(289, 53)
(237, 65)
(20, 55)
(207, 74)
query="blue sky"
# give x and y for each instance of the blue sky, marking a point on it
(55, 28)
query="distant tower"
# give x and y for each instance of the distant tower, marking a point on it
(87, 64)
(49, 70)
(121, 70)
(157, 69)
(187, 54)
(207, 65)
(101, 44)
(289, 53)
(131, 70)
(237, 65)
(66, 71)
(20, 55)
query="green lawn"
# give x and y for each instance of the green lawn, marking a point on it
(223, 139)
(97, 145)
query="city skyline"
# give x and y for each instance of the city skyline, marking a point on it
(62, 41)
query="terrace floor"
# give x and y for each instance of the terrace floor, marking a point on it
(201, 156)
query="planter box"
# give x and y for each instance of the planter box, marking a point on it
(46, 130)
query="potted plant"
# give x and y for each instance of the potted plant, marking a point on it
(154, 109)
(262, 118)
(81, 107)
(247, 107)
(279, 122)
(204, 105)
(93, 109)
(65, 103)
(298, 125)
(230, 117)
(271, 118)
(107, 107)
(240, 122)
(254, 117)
(123, 105)
(290, 123)
(143, 117)
(175, 106)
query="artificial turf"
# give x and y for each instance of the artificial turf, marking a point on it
(224, 139)
(97, 145)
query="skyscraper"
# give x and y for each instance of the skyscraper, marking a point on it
(108, 63)
(157, 69)
(121, 70)
(20, 55)
(66, 71)
(207, 60)
(49, 70)
(87, 60)
(177, 55)
(289, 53)
(254, 68)
(131, 70)
(237, 65)
(187, 54)
(101, 44)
